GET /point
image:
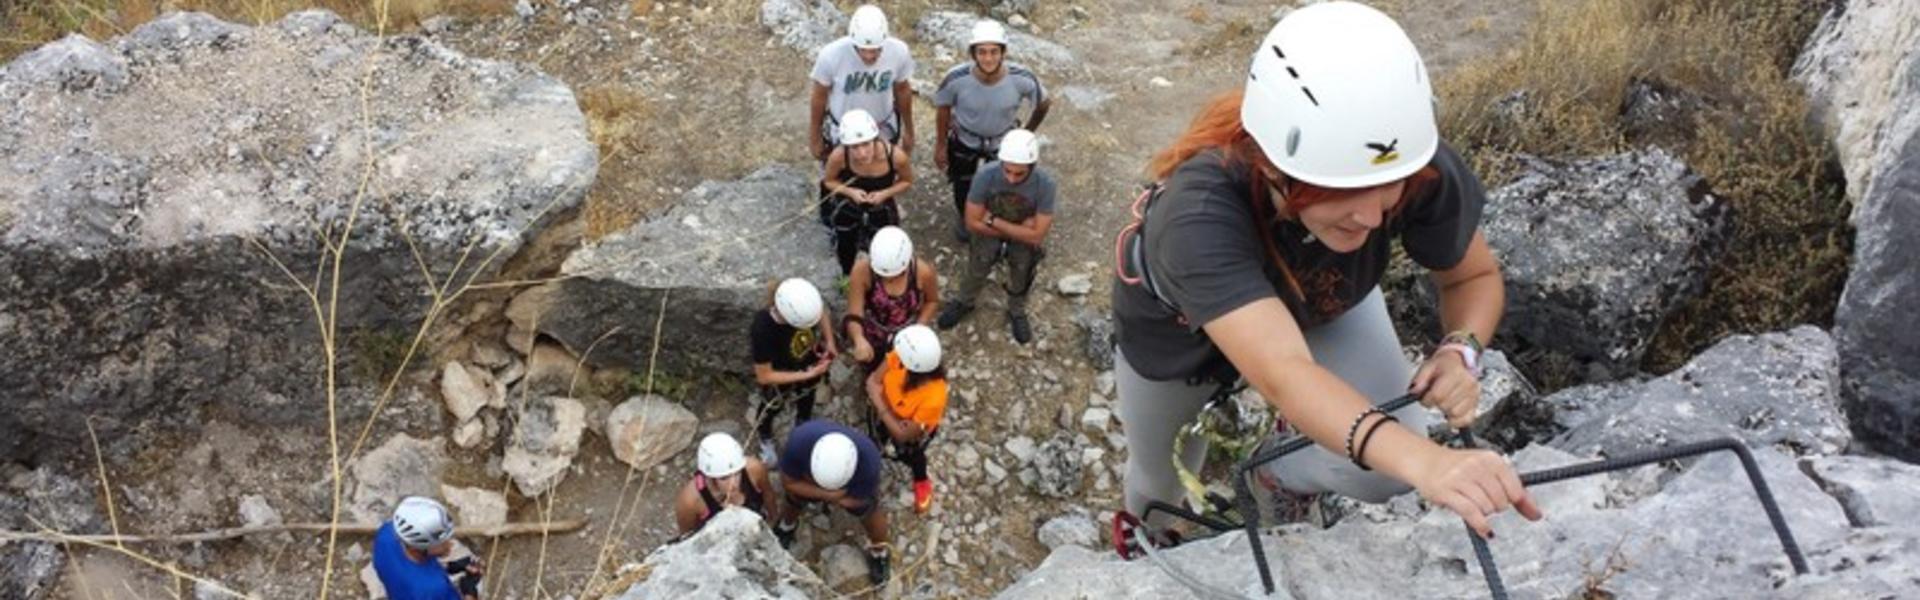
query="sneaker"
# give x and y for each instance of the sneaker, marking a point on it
(922, 495)
(785, 533)
(953, 313)
(767, 453)
(1022, 330)
(878, 567)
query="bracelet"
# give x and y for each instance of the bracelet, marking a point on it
(1368, 437)
(1467, 355)
(1355, 428)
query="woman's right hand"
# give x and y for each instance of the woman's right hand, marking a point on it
(862, 351)
(1475, 484)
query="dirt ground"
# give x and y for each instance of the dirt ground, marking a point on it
(710, 95)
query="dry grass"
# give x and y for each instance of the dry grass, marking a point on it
(617, 122)
(1787, 257)
(29, 23)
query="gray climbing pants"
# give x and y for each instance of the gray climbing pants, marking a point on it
(1360, 347)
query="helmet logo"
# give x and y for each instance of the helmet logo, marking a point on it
(1388, 152)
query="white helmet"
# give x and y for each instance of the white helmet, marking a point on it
(918, 347)
(720, 455)
(868, 28)
(891, 251)
(833, 461)
(987, 31)
(858, 127)
(422, 523)
(798, 303)
(1020, 147)
(1338, 97)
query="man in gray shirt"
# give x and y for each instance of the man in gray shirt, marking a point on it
(1009, 211)
(977, 103)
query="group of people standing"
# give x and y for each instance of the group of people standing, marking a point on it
(861, 129)
(1256, 257)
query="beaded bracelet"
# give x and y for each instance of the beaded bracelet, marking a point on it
(1355, 428)
(1368, 437)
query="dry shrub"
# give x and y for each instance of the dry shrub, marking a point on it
(1560, 92)
(30, 23)
(616, 120)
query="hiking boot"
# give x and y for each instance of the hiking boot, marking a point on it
(1022, 330)
(952, 315)
(785, 533)
(878, 564)
(922, 495)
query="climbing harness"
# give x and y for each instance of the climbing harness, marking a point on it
(1133, 538)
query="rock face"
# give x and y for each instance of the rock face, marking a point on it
(152, 182)
(733, 556)
(1863, 71)
(714, 256)
(1597, 253)
(952, 30)
(1858, 68)
(31, 571)
(1777, 389)
(1873, 492)
(1699, 535)
(803, 25)
(545, 440)
(648, 430)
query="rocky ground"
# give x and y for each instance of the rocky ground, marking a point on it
(689, 92)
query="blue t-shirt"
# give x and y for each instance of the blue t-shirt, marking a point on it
(797, 460)
(405, 579)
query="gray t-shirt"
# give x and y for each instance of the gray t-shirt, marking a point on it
(1036, 191)
(982, 113)
(856, 84)
(1205, 253)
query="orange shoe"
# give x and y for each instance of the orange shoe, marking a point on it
(922, 495)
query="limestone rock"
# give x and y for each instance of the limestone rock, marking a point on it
(733, 556)
(545, 440)
(648, 430)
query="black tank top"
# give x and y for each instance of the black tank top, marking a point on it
(713, 504)
(869, 184)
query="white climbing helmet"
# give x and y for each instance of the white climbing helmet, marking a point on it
(720, 455)
(833, 461)
(987, 31)
(1020, 147)
(1338, 97)
(858, 127)
(918, 347)
(891, 251)
(422, 523)
(798, 303)
(868, 28)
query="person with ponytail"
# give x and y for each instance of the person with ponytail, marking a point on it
(1260, 254)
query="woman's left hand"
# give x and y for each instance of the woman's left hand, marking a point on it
(1444, 383)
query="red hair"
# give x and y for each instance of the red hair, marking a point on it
(1218, 127)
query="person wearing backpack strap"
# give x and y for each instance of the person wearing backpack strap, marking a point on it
(977, 103)
(1261, 258)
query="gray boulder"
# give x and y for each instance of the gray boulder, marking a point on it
(952, 30)
(802, 24)
(648, 430)
(1056, 466)
(403, 466)
(713, 256)
(1880, 562)
(1777, 389)
(153, 192)
(1097, 326)
(546, 437)
(1862, 70)
(1873, 491)
(1002, 9)
(733, 556)
(1701, 535)
(1597, 253)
